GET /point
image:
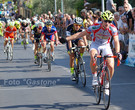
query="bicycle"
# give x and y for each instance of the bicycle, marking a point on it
(103, 76)
(49, 57)
(79, 65)
(39, 52)
(9, 50)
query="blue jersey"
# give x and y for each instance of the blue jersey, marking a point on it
(47, 33)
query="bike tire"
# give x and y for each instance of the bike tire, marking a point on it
(24, 44)
(82, 71)
(40, 62)
(49, 59)
(97, 89)
(106, 98)
(10, 54)
(76, 71)
(7, 51)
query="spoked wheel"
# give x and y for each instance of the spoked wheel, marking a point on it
(10, 54)
(106, 89)
(7, 51)
(82, 71)
(49, 59)
(97, 89)
(24, 44)
(40, 62)
(76, 75)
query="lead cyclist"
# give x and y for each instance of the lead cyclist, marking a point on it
(102, 33)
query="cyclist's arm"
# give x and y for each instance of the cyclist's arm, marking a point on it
(56, 35)
(85, 40)
(77, 35)
(42, 37)
(116, 43)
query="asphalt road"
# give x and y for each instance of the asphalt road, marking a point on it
(25, 86)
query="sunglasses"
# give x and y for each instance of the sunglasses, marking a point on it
(107, 21)
(77, 25)
(48, 25)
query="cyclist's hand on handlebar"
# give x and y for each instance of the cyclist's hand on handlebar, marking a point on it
(63, 40)
(119, 56)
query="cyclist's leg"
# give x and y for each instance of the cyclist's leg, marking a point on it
(12, 42)
(44, 49)
(93, 51)
(5, 43)
(52, 47)
(35, 50)
(81, 43)
(110, 61)
(27, 37)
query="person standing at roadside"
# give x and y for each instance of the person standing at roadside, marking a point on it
(110, 6)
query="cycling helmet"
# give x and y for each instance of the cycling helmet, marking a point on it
(78, 20)
(11, 24)
(24, 21)
(107, 15)
(17, 22)
(49, 22)
(1, 24)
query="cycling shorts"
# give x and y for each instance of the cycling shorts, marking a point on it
(52, 38)
(106, 49)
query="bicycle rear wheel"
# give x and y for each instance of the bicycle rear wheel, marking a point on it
(49, 59)
(82, 71)
(106, 88)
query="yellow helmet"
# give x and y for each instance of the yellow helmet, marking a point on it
(107, 15)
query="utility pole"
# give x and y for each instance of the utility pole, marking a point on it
(55, 1)
(62, 6)
(103, 6)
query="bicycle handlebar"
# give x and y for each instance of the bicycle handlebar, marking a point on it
(99, 56)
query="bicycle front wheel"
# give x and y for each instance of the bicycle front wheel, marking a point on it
(40, 61)
(97, 89)
(106, 88)
(82, 71)
(10, 53)
(49, 59)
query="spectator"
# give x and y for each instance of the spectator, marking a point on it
(110, 6)
(121, 10)
(130, 20)
(117, 20)
(126, 2)
(84, 14)
(133, 14)
(68, 20)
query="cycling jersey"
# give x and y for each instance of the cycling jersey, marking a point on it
(101, 36)
(49, 35)
(70, 31)
(9, 32)
(24, 27)
(36, 34)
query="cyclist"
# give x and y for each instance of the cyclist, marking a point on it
(1, 28)
(49, 32)
(24, 30)
(72, 29)
(18, 26)
(11, 32)
(102, 33)
(35, 37)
